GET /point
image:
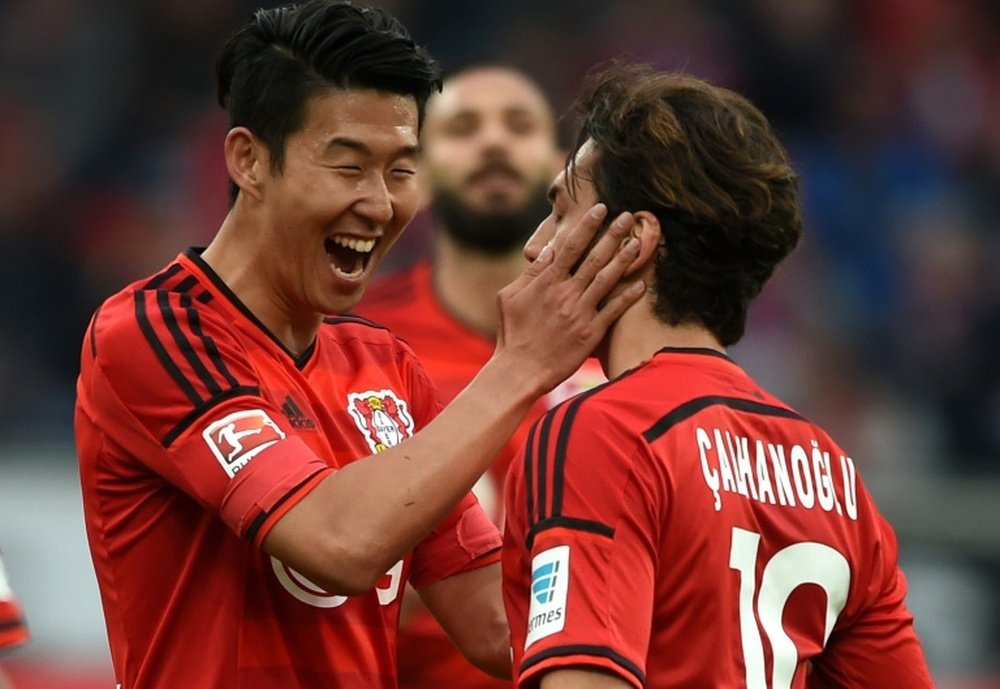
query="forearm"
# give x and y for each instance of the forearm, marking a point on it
(369, 514)
(469, 606)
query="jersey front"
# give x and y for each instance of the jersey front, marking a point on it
(196, 431)
(13, 630)
(679, 527)
(452, 352)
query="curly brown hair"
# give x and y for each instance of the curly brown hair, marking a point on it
(706, 163)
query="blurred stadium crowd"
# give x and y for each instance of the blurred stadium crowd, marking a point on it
(884, 326)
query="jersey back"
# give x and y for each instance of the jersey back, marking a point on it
(680, 527)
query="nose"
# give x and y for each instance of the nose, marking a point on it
(537, 241)
(376, 203)
(494, 136)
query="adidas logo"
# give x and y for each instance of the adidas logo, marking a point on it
(298, 420)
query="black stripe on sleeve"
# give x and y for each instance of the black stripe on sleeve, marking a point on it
(162, 277)
(689, 409)
(587, 650)
(210, 347)
(170, 319)
(12, 624)
(161, 353)
(201, 409)
(259, 520)
(529, 468)
(572, 523)
(186, 284)
(541, 462)
(562, 441)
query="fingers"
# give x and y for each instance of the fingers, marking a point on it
(569, 247)
(618, 304)
(597, 289)
(606, 249)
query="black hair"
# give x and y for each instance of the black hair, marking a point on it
(269, 68)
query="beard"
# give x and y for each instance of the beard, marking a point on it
(492, 231)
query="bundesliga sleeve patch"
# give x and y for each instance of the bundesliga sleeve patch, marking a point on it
(549, 589)
(241, 436)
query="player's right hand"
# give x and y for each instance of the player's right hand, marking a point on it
(554, 315)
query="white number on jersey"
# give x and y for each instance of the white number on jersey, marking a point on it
(791, 567)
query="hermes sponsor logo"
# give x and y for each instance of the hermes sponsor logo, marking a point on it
(549, 589)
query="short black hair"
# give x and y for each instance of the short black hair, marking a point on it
(270, 67)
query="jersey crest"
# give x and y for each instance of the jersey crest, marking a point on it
(381, 416)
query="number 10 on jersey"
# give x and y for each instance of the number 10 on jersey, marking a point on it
(797, 564)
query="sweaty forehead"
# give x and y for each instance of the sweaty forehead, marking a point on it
(489, 89)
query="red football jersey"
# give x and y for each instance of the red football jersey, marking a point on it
(680, 527)
(452, 352)
(196, 430)
(13, 630)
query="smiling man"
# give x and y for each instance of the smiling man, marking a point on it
(261, 476)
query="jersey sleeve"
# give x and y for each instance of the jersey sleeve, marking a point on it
(13, 630)
(879, 649)
(165, 383)
(589, 521)
(465, 540)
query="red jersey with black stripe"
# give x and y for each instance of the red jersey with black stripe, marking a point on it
(452, 352)
(196, 430)
(681, 527)
(13, 630)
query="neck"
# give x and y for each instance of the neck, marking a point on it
(639, 334)
(237, 257)
(467, 281)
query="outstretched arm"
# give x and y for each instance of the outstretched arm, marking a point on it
(361, 519)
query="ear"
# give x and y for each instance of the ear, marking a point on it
(246, 161)
(647, 231)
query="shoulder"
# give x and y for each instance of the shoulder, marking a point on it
(168, 310)
(351, 328)
(360, 339)
(612, 408)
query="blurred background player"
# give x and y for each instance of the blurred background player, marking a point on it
(13, 631)
(680, 526)
(490, 148)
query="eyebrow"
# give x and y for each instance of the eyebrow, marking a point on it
(409, 150)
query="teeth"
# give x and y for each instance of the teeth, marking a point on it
(359, 268)
(363, 246)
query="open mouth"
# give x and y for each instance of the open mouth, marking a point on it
(349, 255)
